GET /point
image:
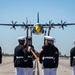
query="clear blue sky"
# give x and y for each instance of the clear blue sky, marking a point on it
(55, 10)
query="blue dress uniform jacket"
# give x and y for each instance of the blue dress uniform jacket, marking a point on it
(20, 56)
(30, 58)
(49, 56)
(72, 57)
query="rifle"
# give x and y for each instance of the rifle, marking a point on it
(27, 41)
(26, 34)
(44, 35)
(49, 28)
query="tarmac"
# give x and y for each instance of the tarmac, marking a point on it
(7, 67)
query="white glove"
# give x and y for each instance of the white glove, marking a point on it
(29, 48)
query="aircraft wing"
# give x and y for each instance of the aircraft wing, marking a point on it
(43, 25)
(33, 24)
(70, 24)
(53, 25)
(16, 24)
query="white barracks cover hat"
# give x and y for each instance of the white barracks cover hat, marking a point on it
(74, 42)
(21, 38)
(49, 38)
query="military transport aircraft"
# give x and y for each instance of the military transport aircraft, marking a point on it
(38, 28)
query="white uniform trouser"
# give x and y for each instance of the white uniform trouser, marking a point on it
(51, 71)
(73, 70)
(29, 71)
(20, 71)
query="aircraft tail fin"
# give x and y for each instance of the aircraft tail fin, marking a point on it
(38, 17)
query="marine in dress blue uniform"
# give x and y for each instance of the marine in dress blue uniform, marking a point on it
(72, 58)
(20, 57)
(0, 55)
(30, 56)
(49, 56)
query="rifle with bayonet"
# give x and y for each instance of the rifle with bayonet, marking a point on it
(50, 24)
(31, 49)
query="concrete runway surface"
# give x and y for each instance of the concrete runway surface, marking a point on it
(7, 67)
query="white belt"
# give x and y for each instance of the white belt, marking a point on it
(29, 56)
(73, 57)
(48, 58)
(19, 57)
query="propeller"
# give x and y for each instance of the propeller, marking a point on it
(50, 26)
(62, 24)
(13, 25)
(24, 26)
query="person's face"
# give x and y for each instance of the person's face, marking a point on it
(46, 42)
(21, 42)
(50, 41)
(29, 41)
